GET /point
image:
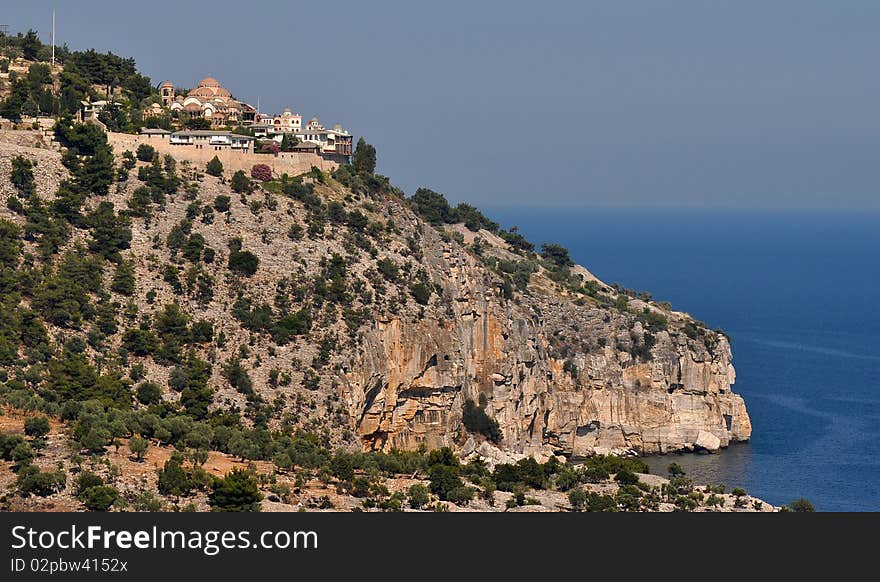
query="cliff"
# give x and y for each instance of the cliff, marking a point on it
(408, 321)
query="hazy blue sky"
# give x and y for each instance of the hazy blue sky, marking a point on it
(770, 103)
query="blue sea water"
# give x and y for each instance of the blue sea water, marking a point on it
(797, 292)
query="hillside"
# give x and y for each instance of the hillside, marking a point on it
(311, 329)
(373, 325)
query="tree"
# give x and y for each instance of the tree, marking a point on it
(31, 45)
(626, 477)
(432, 206)
(556, 254)
(22, 176)
(243, 262)
(149, 393)
(145, 152)
(124, 279)
(237, 491)
(32, 481)
(36, 426)
(138, 446)
(261, 172)
(364, 160)
(99, 497)
(675, 470)
(215, 167)
(241, 184)
(111, 232)
(421, 293)
(419, 496)
(173, 480)
(444, 479)
(288, 141)
(22, 455)
(197, 123)
(221, 203)
(801, 506)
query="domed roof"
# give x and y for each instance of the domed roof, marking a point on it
(209, 82)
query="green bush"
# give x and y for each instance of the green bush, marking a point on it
(32, 481)
(36, 426)
(556, 254)
(626, 477)
(221, 203)
(243, 262)
(419, 496)
(145, 152)
(100, 497)
(589, 501)
(241, 184)
(421, 293)
(149, 393)
(237, 491)
(801, 506)
(22, 176)
(444, 479)
(215, 167)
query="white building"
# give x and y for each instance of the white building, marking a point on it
(287, 122)
(217, 140)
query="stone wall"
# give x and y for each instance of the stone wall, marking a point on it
(291, 163)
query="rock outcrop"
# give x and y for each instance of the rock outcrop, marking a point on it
(557, 376)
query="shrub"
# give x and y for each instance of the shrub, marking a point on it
(243, 262)
(124, 279)
(221, 203)
(460, 495)
(556, 254)
(241, 184)
(85, 480)
(432, 206)
(36, 426)
(801, 506)
(626, 477)
(589, 501)
(261, 172)
(145, 153)
(22, 176)
(32, 481)
(476, 420)
(214, 167)
(100, 497)
(22, 455)
(444, 478)
(421, 293)
(419, 496)
(173, 480)
(149, 393)
(675, 470)
(237, 491)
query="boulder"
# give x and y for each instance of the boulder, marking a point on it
(708, 441)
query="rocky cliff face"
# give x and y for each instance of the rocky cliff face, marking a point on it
(557, 376)
(562, 368)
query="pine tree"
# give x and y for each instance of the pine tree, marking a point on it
(364, 161)
(237, 491)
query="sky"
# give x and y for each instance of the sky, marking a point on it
(627, 103)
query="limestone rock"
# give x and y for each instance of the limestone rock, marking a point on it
(707, 441)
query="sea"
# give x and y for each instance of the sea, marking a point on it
(797, 291)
